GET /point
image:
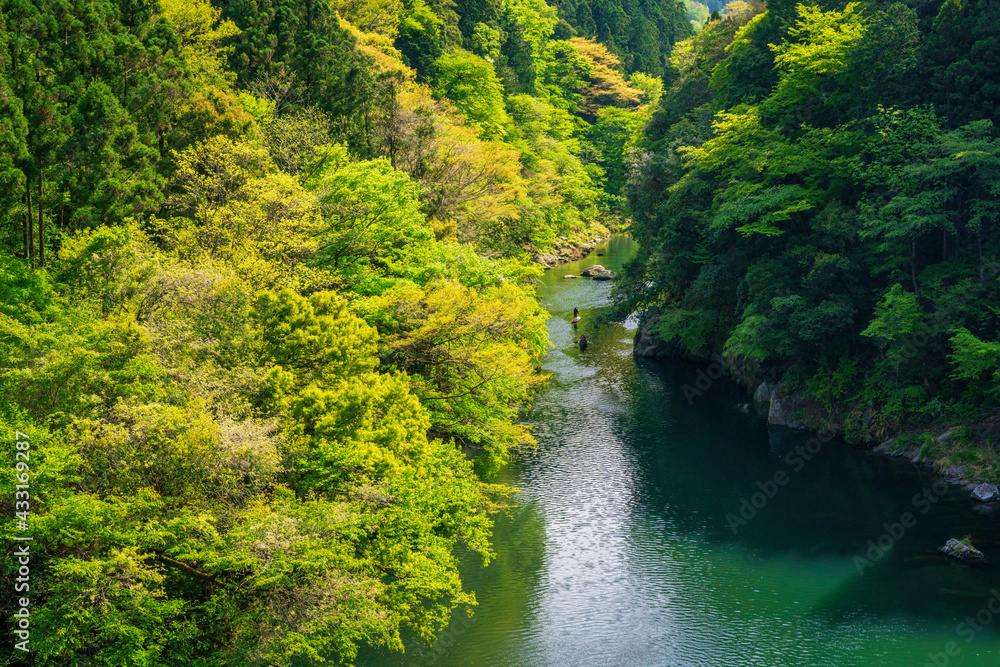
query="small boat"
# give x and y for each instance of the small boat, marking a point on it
(575, 319)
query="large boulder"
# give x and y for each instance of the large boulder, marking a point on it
(593, 270)
(986, 493)
(959, 551)
(795, 409)
(604, 275)
(762, 397)
(787, 408)
(647, 342)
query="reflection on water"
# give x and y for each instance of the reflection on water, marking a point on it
(620, 552)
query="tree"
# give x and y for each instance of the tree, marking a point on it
(371, 213)
(960, 54)
(469, 82)
(299, 48)
(470, 357)
(242, 211)
(420, 38)
(111, 171)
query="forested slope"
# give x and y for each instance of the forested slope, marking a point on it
(266, 315)
(816, 200)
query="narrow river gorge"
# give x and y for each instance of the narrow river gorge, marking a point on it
(619, 550)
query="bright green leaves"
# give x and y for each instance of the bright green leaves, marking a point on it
(897, 316)
(469, 82)
(537, 19)
(360, 436)
(24, 294)
(811, 62)
(420, 37)
(772, 156)
(112, 267)
(562, 75)
(364, 429)
(976, 361)
(313, 339)
(769, 178)
(77, 366)
(371, 215)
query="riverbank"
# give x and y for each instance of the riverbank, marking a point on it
(579, 245)
(950, 450)
(565, 250)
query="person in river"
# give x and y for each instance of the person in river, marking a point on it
(576, 313)
(583, 343)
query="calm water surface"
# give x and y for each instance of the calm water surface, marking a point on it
(619, 551)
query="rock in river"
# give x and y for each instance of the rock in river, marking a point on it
(959, 551)
(986, 493)
(604, 275)
(593, 270)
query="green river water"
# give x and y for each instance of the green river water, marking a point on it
(620, 552)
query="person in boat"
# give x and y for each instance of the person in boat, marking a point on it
(576, 317)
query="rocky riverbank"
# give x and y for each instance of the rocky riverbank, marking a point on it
(565, 250)
(781, 406)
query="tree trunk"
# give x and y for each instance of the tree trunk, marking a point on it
(31, 223)
(41, 221)
(982, 271)
(24, 227)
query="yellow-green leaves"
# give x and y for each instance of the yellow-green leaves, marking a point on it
(471, 357)
(202, 31)
(244, 212)
(364, 429)
(315, 339)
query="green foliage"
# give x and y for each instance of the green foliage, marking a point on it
(420, 37)
(242, 212)
(470, 82)
(312, 339)
(641, 34)
(470, 356)
(24, 294)
(897, 316)
(697, 13)
(371, 213)
(804, 209)
(977, 362)
(811, 63)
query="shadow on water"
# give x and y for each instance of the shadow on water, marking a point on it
(759, 487)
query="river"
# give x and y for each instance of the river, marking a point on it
(627, 546)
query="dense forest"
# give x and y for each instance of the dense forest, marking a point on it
(817, 198)
(266, 312)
